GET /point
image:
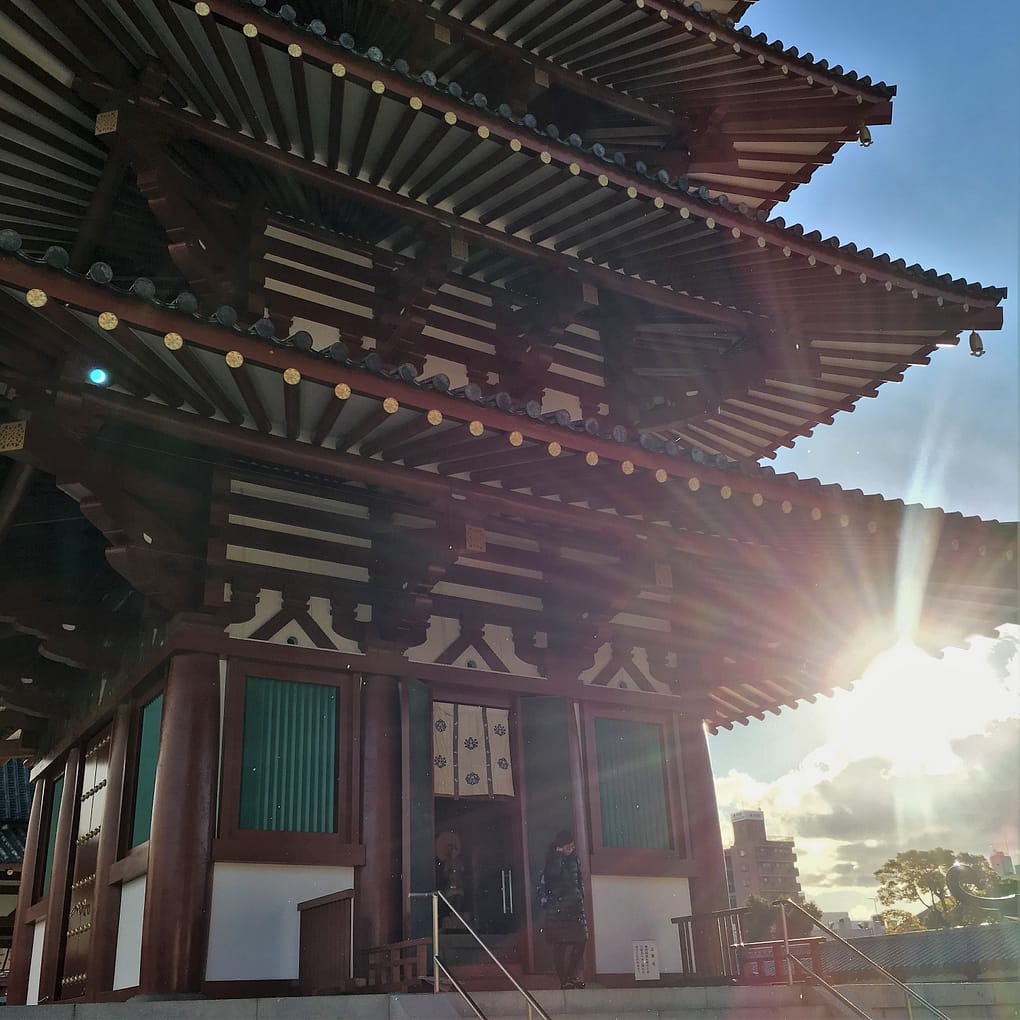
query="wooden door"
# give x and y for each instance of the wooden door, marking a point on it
(74, 976)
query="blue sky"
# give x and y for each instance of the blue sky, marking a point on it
(939, 187)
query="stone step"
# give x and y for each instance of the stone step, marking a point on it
(992, 1000)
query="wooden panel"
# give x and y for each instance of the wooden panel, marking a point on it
(324, 960)
(74, 979)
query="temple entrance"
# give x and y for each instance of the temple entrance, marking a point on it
(478, 868)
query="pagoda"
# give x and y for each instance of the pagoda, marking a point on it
(383, 391)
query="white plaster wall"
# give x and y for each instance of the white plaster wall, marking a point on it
(35, 966)
(629, 909)
(128, 961)
(254, 926)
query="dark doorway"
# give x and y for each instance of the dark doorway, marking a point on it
(478, 867)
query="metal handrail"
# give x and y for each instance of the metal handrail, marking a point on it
(438, 965)
(852, 1006)
(909, 992)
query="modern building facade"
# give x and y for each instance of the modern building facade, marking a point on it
(1002, 864)
(757, 865)
(846, 927)
(383, 392)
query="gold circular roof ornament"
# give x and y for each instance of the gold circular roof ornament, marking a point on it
(291, 376)
(476, 428)
(235, 359)
(342, 391)
(173, 341)
(434, 417)
(36, 297)
(391, 405)
(725, 492)
(108, 321)
(694, 484)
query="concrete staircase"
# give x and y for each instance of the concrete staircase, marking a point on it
(998, 1000)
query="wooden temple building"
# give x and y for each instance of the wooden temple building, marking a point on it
(383, 388)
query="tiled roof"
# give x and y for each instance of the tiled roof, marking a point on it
(552, 134)
(970, 949)
(289, 13)
(228, 319)
(15, 792)
(12, 842)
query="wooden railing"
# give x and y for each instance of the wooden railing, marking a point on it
(708, 943)
(326, 953)
(399, 966)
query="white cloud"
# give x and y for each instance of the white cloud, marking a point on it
(922, 753)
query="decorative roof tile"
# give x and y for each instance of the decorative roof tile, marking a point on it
(949, 951)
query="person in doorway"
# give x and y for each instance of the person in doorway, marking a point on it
(565, 925)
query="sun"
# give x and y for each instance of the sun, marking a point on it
(909, 706)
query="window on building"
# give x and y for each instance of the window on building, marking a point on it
(150, 719)
(632, 785)
(289, 756)
(56, 792)
(289, 776)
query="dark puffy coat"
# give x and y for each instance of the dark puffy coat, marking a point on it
(564, 916)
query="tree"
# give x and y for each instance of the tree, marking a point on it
(759, 922)
(798, 926)
(897, 921)
(919, 876)
(764, 922)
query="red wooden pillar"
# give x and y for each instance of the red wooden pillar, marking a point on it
(21, 942)
(708, 883)
(578, 787)
(378, 883)
(176, 926)
(60, 883)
